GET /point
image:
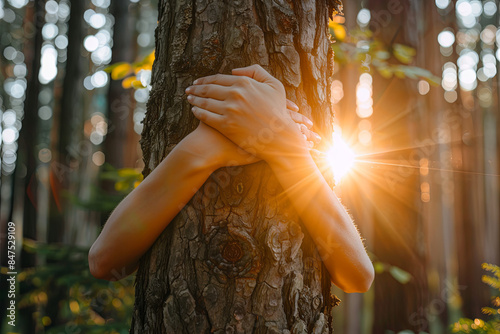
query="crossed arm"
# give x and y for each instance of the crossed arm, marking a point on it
(232, 109)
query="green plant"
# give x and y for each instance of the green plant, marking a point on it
(480, 326)
(124, 180)
(85, 304)
(359, 46)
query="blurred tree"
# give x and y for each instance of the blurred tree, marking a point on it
(67, 118)
(235, 258)
(27, 144)
(119, 101)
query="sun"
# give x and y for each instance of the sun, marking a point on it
(340, 158)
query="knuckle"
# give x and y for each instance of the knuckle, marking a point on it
(203, 103)
(231, 108)
(204, 90)
(235, 93)
(279, 84)
(229, 124)
(244, 82)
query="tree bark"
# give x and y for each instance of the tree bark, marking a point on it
(236, 259)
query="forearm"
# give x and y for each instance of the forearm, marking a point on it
(142, 216)
(326, 220)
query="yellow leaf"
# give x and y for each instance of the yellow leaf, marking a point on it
(120, 71)
(137, 84)
(120, 186)
(400, 74)
(338, 30)
(125, 172)
(404, 53)
(385, 72)
(127, 82)
(150, 58)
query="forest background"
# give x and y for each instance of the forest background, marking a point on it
(415, 92)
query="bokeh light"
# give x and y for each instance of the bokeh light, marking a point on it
(363, 17)
(364, 101)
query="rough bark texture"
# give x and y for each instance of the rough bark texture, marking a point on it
(236, 259)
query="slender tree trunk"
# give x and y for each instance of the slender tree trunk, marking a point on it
(236, 259)
(120, 103)
(27, 145)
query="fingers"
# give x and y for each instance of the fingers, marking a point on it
(212, 119)
(301, 119)
(213, 91)
(309, 135)
(255, 72)
(291, 105)
(218, 79)
(318, 155)
(214, 106)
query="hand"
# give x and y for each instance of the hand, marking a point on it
(249, 108)
(223, 152)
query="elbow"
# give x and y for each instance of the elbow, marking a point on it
(95, 266)
(102, 267)
(361, 283)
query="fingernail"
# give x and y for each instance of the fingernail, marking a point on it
(310, 143)
(309, 123)
(190, 98)
(189, 89)
(317, 137)
(196, 82)
(305, 137)
(296, 107)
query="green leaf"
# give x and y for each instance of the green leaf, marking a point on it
(384, 55)
(379, 267)
(400, 275)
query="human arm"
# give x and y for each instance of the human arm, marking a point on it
(143, 214)
(239, 107)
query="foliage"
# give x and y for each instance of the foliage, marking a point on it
(132, 74)
(86, 304)
(124, 179)
(406, 331)
(480, 326)
(399, 274)
(361, 47)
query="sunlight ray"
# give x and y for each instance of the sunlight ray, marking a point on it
(429, 168)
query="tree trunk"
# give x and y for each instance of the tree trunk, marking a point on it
(236, 259)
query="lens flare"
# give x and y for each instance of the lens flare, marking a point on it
(340, 157)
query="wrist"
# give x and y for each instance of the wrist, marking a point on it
(199, 154)
(288, 161)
